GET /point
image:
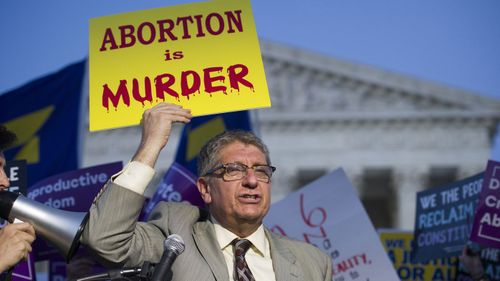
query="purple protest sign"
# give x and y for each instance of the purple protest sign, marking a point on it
(178, 185)
(486, 226)
(74, 190)
(25, 270)
(71, 191)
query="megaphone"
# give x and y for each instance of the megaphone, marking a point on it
(61, 228)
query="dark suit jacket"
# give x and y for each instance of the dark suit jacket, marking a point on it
(114, 234)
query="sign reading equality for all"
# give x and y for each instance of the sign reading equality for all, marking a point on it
(444, 219)
(486, 227)
(328, 214)
(204, 56)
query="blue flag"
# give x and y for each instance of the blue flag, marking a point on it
(45, 116)
(179, 182)
(201, 129)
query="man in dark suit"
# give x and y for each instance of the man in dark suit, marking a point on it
(235, 181)
(15, 239)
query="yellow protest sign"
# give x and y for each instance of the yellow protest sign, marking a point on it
(398, 247)
(204, 56)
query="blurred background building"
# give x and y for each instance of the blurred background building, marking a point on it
(393, 135)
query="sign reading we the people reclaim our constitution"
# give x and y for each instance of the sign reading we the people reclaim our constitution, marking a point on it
(204, 56)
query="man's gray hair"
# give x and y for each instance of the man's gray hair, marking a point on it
(209, 156)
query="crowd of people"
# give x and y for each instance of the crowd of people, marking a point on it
(225, 241)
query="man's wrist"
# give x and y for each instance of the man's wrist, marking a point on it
(135, 176)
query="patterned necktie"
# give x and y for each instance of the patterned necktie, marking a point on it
(241, 270)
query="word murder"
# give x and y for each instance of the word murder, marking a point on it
(189, 82)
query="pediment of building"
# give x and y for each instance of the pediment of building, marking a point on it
(304, 82)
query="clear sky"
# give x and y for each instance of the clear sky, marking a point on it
(455, 43)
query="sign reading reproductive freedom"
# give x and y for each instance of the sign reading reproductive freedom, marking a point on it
(204, 56)
(328, 214)
(70, 191)
(444, 219)
(486, 227)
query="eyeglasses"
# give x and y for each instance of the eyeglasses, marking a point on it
(237, 171)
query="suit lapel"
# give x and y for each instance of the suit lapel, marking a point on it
(204, 237)
(284, 261)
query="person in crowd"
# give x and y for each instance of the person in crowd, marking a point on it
(471, 260)
(16, 238)
(226, 241)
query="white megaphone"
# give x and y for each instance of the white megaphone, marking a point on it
(61, 228)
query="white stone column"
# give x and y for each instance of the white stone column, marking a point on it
(470, 170)
(282, 183)
(355, 175)
(408, 181)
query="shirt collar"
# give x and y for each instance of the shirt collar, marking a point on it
(259, 240)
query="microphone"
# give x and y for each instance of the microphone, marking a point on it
(174, 246)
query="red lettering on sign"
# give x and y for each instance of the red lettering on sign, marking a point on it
(208, 79)
(187, 89)
(164, 86)
(137, 95)
(121, 94)
(189, 82)
(182, 27)
(127, 36)
(237, 75)
(108, 39)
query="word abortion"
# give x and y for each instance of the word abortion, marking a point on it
(164, 30)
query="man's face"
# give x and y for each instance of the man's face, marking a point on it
(4, 181)
(244, 201)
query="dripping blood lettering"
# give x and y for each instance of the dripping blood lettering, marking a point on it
(213, 80)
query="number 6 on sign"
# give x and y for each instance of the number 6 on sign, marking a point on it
(309, 220)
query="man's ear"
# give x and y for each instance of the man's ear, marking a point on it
(204, 190)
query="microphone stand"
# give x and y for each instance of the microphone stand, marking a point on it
(174, 246)
(144, 273)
